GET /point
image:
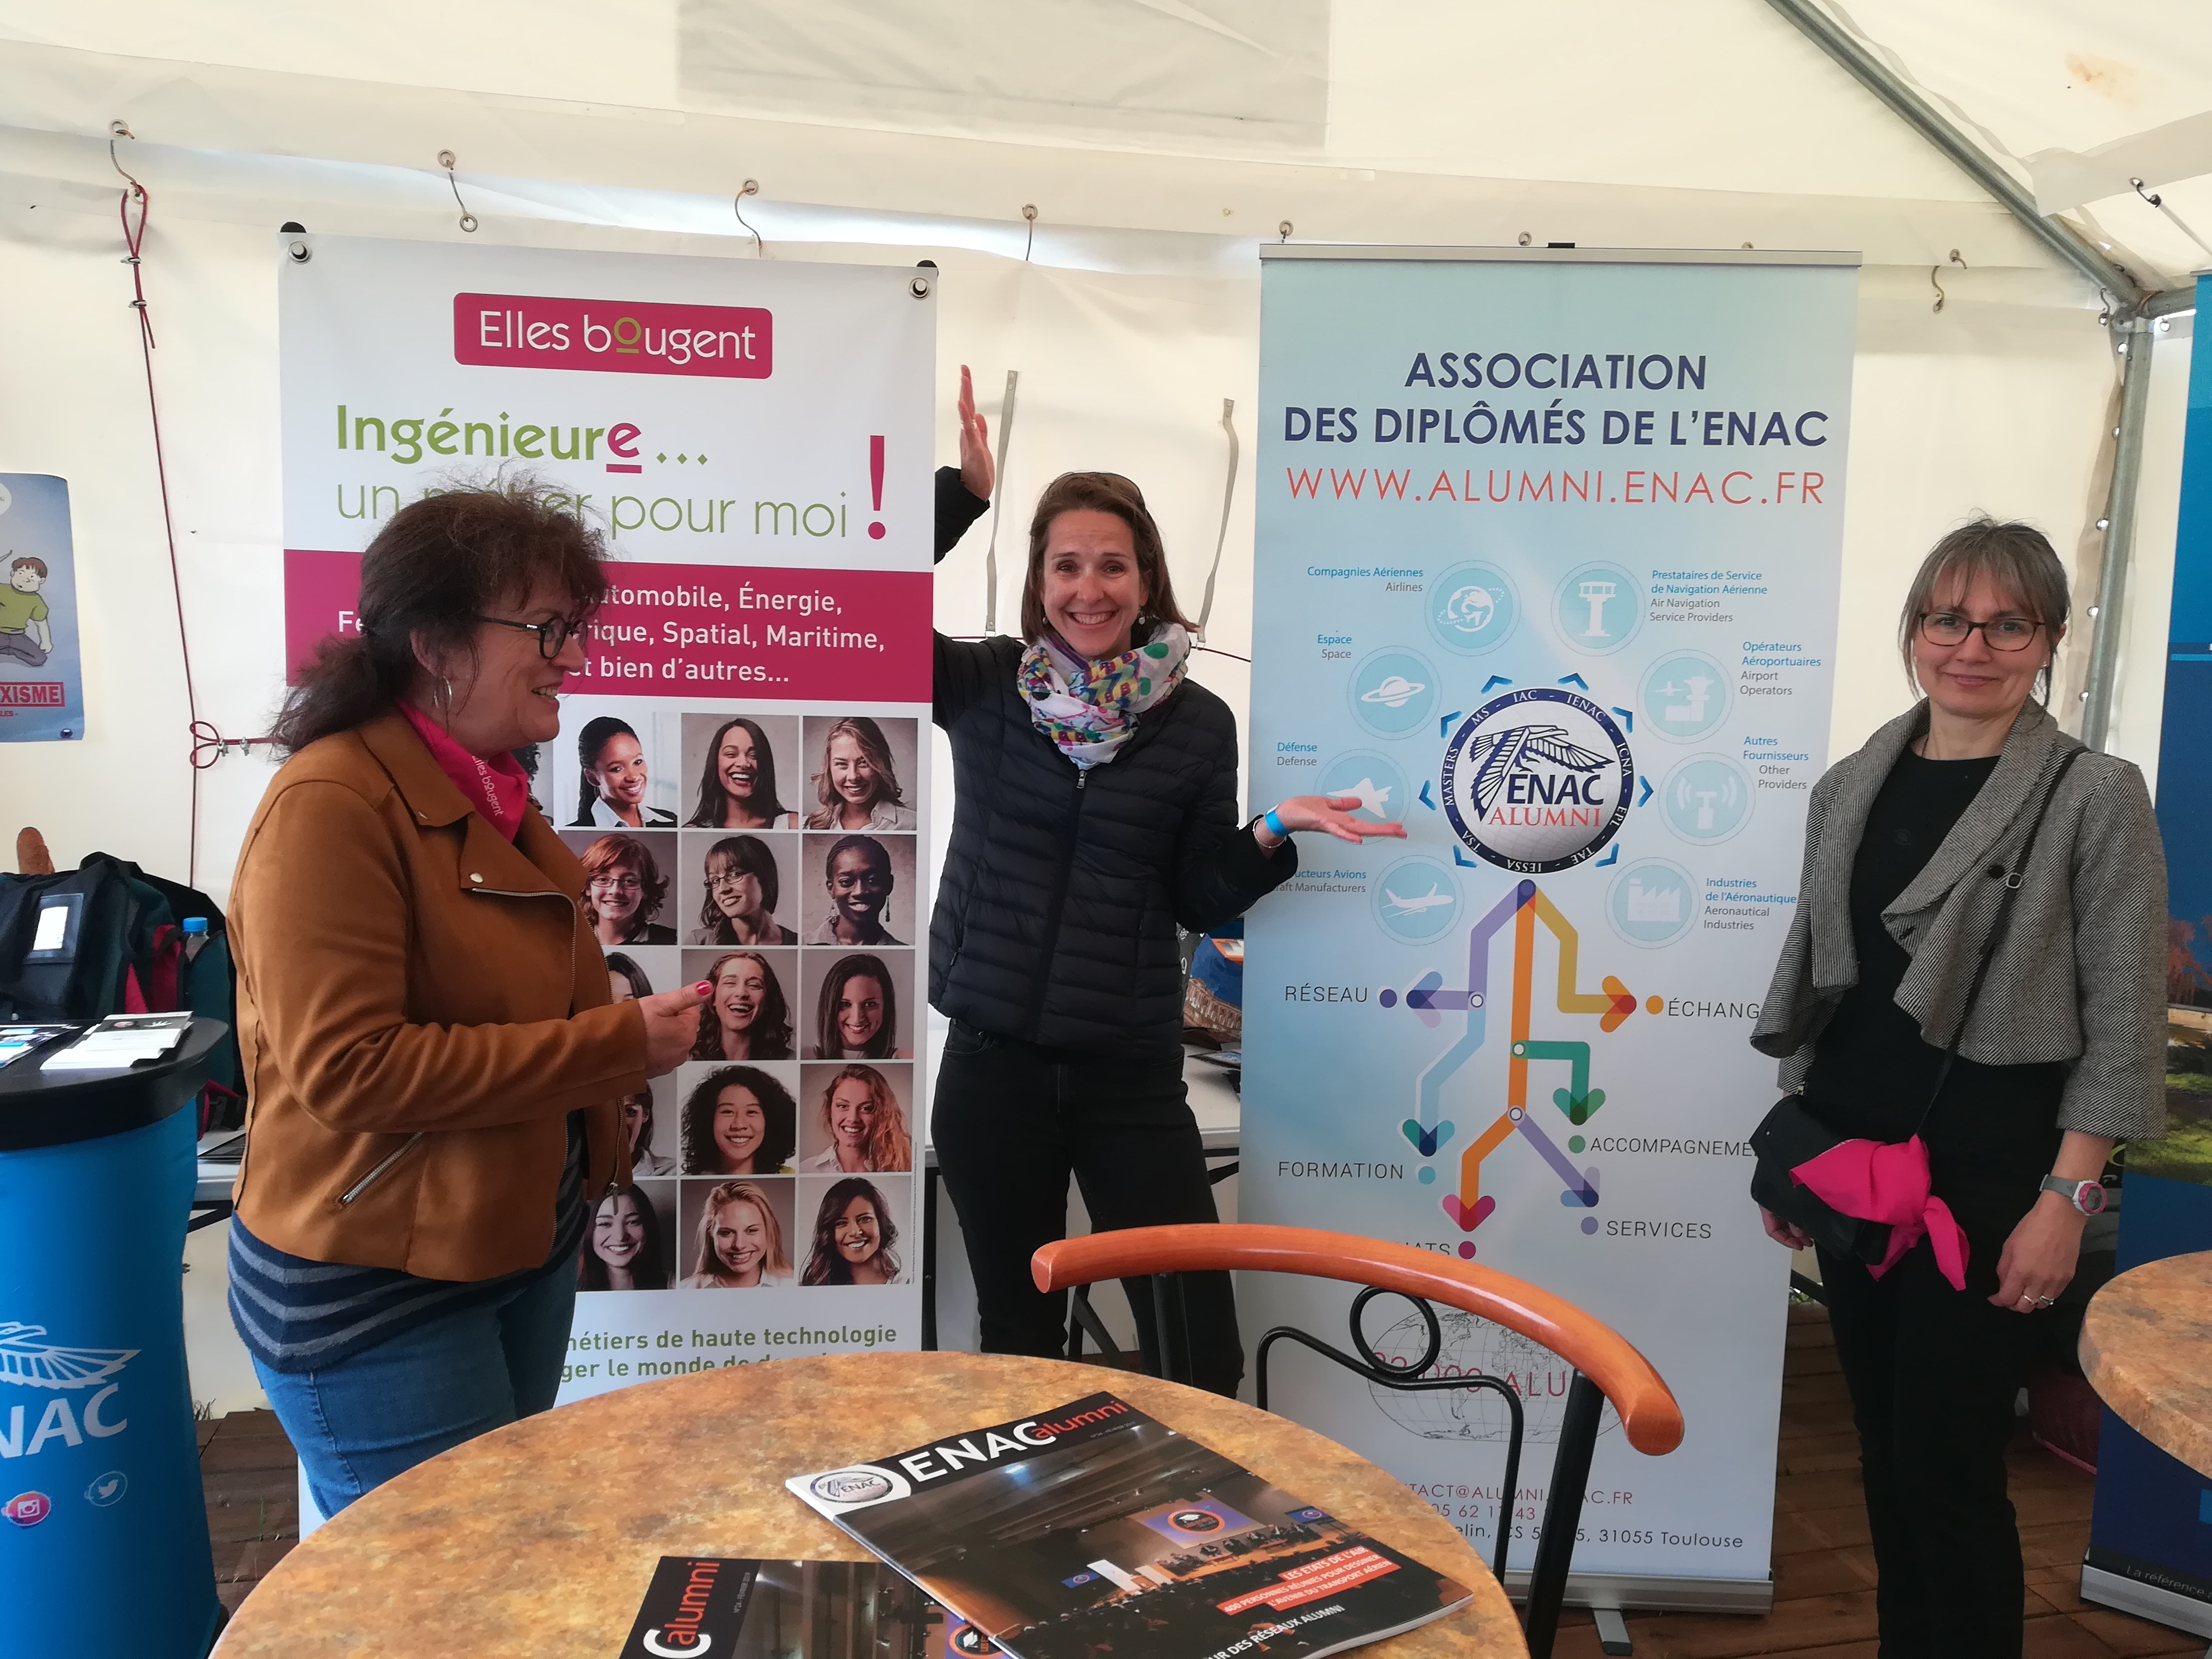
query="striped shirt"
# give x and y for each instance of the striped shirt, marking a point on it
(295, 1314)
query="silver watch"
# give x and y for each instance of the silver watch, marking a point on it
(2087, 1196)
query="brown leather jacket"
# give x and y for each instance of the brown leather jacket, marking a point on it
(420, 1007)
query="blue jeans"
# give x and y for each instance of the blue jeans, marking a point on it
(360, 1422)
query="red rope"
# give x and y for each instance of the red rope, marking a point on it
(134, 238)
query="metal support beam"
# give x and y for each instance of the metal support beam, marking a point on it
(2070, 247)
(2136, 336)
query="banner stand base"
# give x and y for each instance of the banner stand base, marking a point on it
(2164, 1607)
(1651, 1594)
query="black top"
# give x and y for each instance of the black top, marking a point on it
(1063, 888)
(1871, 1071)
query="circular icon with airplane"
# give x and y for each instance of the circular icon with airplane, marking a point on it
(1393, 692)
(1416, 899)
(1706, 798)
(1472, 608)
(1684, 696)
(1652, 903)
(1375, 779)
(1598, 608)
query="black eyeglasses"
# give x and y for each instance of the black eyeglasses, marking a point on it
(552, 636)
(1948, 628)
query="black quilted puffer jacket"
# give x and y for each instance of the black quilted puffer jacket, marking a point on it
(1062, 888)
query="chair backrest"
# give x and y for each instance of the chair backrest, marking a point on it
(1649, 1414)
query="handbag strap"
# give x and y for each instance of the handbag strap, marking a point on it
(2012, 885)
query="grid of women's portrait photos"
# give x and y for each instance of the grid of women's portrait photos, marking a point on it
(773, 857)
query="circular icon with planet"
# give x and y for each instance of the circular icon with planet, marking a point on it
(1706, 798)
(1598, 608)
(1393, 692)
(1652, 903)
(1684, 696)
(1416, 899)
(1375, 779)
(1472, 608)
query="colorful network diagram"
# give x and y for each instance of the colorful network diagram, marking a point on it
(1524, 905)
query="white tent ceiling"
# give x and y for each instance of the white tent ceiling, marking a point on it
(1616, 121)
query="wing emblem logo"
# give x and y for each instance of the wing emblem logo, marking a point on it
(27, 1360)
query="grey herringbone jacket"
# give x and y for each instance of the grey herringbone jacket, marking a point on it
(2080, 975)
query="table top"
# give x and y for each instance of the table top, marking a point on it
(2144, 1340)
(539, 1538)
(39, 1107)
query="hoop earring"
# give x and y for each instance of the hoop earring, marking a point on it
(445, 700)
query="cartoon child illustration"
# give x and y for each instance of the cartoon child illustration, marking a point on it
(25, 634)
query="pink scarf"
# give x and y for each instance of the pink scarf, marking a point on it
(1876, 1180)
(497, 787)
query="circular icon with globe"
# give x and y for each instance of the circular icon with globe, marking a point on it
(1393, 692)
(1684, 696)
(1473, 608)
(1476, 1347)
(1416, 899)
(1652, 903)
(1598, 608)
(1706, 798)
(1374, 778)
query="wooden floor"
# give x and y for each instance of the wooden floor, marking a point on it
(1823, 1568)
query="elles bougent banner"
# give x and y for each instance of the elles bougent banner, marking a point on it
(1546, 572)
(740, 766)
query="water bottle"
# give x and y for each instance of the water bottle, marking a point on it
(196, 936)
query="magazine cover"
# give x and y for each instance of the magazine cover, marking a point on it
(1092, 1526)
(737, 1609)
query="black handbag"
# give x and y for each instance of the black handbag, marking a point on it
(1790, 1136)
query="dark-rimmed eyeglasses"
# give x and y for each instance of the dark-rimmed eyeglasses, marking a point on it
(552, 636)
(1948, 628)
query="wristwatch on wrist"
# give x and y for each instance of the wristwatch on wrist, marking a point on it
(2087, 1196)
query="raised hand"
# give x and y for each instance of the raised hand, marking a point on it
(977, 473)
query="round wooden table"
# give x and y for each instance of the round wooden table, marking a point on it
(540, 1537)
(2146, 1339)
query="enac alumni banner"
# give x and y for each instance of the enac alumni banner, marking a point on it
(740, 766)
(1546, 572)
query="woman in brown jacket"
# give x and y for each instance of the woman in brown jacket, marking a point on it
(435, 1068)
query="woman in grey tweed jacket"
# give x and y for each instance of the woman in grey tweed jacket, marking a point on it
(1907, 843)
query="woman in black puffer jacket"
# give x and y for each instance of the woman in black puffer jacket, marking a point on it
(1095, 811)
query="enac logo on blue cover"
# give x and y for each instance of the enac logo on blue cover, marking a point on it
(1537, 779)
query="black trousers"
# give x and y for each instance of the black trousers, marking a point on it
(1012, 1121)
(1933, 1374)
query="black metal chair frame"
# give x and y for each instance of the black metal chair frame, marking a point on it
(1579, 1427)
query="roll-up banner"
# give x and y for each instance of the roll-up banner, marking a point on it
(740, 766)
(1546, 572)
(2150, 1539)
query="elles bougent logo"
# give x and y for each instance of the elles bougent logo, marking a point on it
(614, 337)
(1537, 779)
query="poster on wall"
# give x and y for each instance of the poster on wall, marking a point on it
(1548, 554)
(740, 769)
(2150, 1537)
(41, 678)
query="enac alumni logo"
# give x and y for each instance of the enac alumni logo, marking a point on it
(1537, 779)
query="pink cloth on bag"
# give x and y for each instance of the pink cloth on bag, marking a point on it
(1876, 1180)
(497, 787)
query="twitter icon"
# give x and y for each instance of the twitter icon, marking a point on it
(107, 1489)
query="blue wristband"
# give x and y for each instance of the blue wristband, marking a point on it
(1274, 823)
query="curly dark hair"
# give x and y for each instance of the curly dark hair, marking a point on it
(825, 1264)
(771, 1026)
(436, 567)
(778, 1112)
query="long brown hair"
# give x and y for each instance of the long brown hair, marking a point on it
(436, 567)
(1099, 492)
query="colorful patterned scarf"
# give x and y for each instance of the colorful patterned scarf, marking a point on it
(1091, 709)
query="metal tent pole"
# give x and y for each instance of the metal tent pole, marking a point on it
(2119, 525)
(2129, 304)
(1876, 76)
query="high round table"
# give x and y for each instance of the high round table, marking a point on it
(539, 1539)
(2146, 1340)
